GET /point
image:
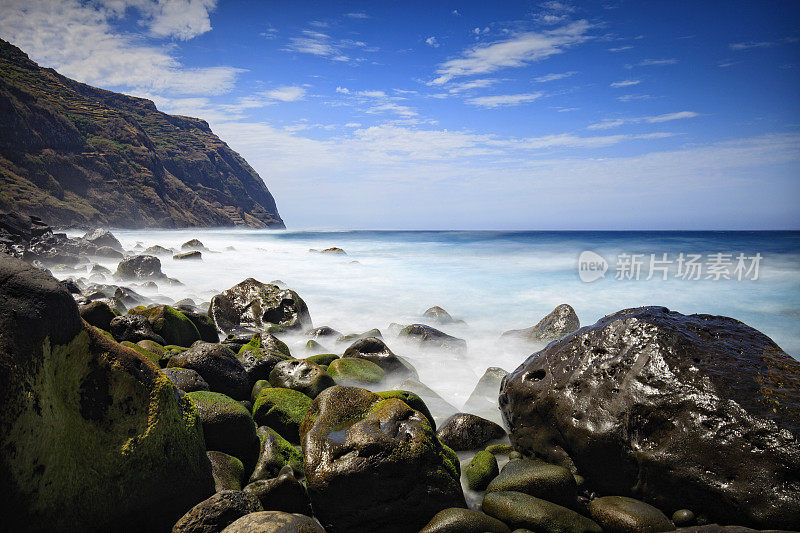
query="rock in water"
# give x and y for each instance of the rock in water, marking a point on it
(697, 412)
(92, 435)
(428, 337)
(560, 322)
(195, 255)
(103, 237)
(375, 464)
(375, 350)
(140, 267)
(255, 305)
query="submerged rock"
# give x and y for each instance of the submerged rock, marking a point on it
(103, 238)
(194, 255)
(193, 244)
(428, 337)
(139, 267)
(91, 433)
(157, 250)
(374, 464)
(257, 305)
(679, 411)
(560, 322)
(375, 350)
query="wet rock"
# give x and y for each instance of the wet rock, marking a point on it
(283, 410)
(314, 347)
(205, 326)
(626, 515)
(227, 426)
(323, 359)
(464, 431)
(139, 267)
(483, 399)
(70, 285)
(683, 517)
(98, 314)
(520, 510)
(560, 322)
(481, 470)
(679, 411)
(351, 371)
(100, 269)
(375, 350)
(323, 332)
(543, 480)
(456, 520)
(412, 400)
(256, 305)
(437, 315)
(217, 512)
(274, 522)
(300, 375)
(157, 250)
(281, 493)
(191, 256)
(79, 417)
(440, 409)
(107, 252)
(218, 366)
(228, 471)
(353, 337)
(102, 237)
(193, 244)
(428, 337)
(186, 379)
(276, 454)
(259, 364)
(170, 324)
(134, 329)
(375, 464)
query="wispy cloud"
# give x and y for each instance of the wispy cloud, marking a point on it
(323, 45)
(656, 62)
(620, 48)
(178, 19)
(516, 51)
(667, 117)
(554, 77)
(357, 15)
(751, 44)
(553, 12)
(287, 93)
(481, 83)
(503, 100)
(391, 107)
(269, 33)
(632, 97)
(625, 83)
(431, 41)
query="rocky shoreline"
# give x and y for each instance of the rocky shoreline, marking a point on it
(120, 412)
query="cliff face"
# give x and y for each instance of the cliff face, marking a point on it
(78, 155)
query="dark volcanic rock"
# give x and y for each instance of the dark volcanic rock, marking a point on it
(103, 237)
(133, 328)
(560, 322)
(375, 350)
(456, 520)
(626, 515)
(553, 483)
(217, 512)
(428, 337)
(695, 411)
(193, 255)
(255, 305)
(205, 326)
(193, 244)
(375, 464)
(300, 375)
(98, 314)
(274, 522)
(139, 267)
(524, 511)
(186, 379)
(464, 431)
(91, 434)
(322, 332)
(281, 493)
(218, 366)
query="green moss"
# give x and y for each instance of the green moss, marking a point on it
(270, 346)
(481, 470)
(228, 471)
(170, 323)
(283, 410)
(155, 358)
(500, 449)
(280, 454)
(323, 359)
(353, 371)
(412, 400)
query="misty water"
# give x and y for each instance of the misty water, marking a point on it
(494, 281)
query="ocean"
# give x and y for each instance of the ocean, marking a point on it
(495, 281)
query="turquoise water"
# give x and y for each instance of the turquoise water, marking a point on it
(495, 281)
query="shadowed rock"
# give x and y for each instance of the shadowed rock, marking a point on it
(255, 305)
(560, 322)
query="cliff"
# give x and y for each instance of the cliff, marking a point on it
(76, 155)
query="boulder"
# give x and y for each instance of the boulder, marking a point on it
(457, 520)
(217, 512)
(218, 366)
(91, 433)
(274, 522)
(276, 453)
(186, 379)
(170, 324)
(323, 359)
(549, 482)
(560, 322)
(520, 510)
(626, 515)
(259, 364)
(139, 267)
(440, 408)
(323, 332)
(355, 372)
(133, 328)
(481, 470)
(98, 314)
(281, 493)
(437, 315)
(193, 244)
(266, 342)
(205, 326)
(431, 338)
(375, 350)
(227, 427)
(103, 237)
(464, 431)
(412, 400)
(300, 375)
(375, 465)
(482, 400)
(283, 410)
(190, 256)
(228, 471)
(108, 252)
(157, 250)
(255, 305)
(679, 411)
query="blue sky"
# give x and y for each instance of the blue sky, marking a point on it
(525, 115)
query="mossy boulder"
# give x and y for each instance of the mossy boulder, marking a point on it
(170, 324)
(92, 433)
(375, 350)
(227, 426)
(375, 464)
(255, 305)
(274, 522)
(186, 379)
(133, 328)
(300, 375)
(275, 454)
(228, 471)
(355, 372)
(267, 342)
(560, 322)
(98, 314)
(323, 359)
(282, 492)
(315, 347)
(544, 480)
(627, 515)
(218, 366)
(217, 512)
(205, 326)
(457, 520)
(155, 358)
(519, 510)
(412, 400)
(481, 470)
(282, 410)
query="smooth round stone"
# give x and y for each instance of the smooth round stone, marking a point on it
(543, 480)
(465, 431)
(457, 520)
(274, 522)
(627, 515)
(683, 517)
(521, 510)
(481, 470)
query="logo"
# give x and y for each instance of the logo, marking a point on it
(591, 266)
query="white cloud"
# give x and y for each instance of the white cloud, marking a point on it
(470, 85)
(180, 19)
(625, 83)
(620, 48)
(431, 41)
(343, 90)
(286, 93)
(632, 97)
(516, 51)
(553, 77)
(353, 125)
(657, 62)
(667, 117)
(751, 44)
(357, 15)
(79, 41)
(390, 107)
(270, 33)
(503, 100)
(455, 12)
(323, 45)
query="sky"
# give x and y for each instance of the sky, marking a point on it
(466, 115)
